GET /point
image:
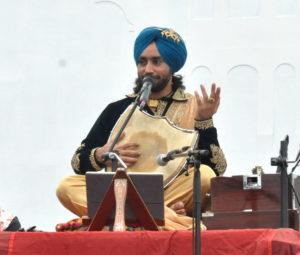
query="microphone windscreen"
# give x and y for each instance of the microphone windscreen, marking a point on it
(148, 78)
(160, 160)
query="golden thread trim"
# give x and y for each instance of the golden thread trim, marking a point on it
(179, 110)
(81, 146)
(176, 112)
(153, 103)
(204, 124)
(160, 108)
(75, 162)
(133, 95)
(93, 160)
(179, 95)
(218, 159)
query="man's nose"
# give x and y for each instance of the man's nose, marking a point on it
(149, 68)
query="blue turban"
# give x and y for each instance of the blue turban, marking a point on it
(170, 46)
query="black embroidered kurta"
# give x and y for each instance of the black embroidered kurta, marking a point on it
(84, 159)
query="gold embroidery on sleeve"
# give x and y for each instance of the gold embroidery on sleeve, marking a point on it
(75, 162)
(218, 159)
(93, 160)
(204, 124)
(80, 147)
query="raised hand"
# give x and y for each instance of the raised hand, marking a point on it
(207, 106)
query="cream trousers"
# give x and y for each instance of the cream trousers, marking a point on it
(71, 191)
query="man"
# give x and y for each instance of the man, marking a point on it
(159, 52)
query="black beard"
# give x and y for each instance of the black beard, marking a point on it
(157, 86)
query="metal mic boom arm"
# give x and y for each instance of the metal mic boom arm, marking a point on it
(173, 153)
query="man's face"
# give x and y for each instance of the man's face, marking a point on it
(151, 63)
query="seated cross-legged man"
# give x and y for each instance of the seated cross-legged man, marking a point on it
(159, 52)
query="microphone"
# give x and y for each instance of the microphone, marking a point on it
(146, 90)
(163, 159)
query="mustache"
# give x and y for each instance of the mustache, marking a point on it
(153, 76)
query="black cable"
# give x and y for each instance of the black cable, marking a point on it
(297, 163)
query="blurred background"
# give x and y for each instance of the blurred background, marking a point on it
(62, 62)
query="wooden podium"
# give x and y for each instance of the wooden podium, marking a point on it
(239, 202)
(118, 199)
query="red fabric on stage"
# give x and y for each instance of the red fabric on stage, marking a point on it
(241, 241)
(4, 242)
(86, 243)
(280, 246)
(247, 241)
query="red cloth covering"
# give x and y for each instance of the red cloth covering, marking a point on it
(4, 242)
(247, 241)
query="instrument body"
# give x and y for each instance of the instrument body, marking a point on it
(156, 135)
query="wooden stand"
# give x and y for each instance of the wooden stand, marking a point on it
(144, 217)
(120, 188)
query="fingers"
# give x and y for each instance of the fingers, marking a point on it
(205, 97)
(213, 91)
(207, 106)
(218, 92)
(198, 97)
(129, 161)
(129, 153)
(130, 157)
(126, 146)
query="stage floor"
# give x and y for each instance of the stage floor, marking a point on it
(245, 241)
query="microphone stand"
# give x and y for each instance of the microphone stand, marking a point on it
(194, 157)
(113, 155)
(141, 99)
(282, 163)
